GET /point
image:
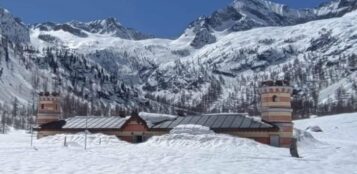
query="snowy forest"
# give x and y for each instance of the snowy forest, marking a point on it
(88, 89)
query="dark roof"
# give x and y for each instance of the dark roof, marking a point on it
(275, 83)
(216, 121)
(53, 125)
(94, 122)
(213, 121)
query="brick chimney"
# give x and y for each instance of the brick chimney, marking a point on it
(276, 109)
(49, 108)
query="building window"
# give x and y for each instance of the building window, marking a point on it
(275, 98)
(42, 106)
(138, 139)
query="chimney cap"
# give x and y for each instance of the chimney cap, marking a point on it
(275, 83)
(55, 94)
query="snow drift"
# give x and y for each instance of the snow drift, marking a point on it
(305, 138)
(197, 136)
(78, 140)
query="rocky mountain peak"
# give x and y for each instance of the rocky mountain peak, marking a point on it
(336, 8)
(103, 26)
(247, 14)
(244, 15)
(110, 26)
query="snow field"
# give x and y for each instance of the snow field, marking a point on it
(186, 151)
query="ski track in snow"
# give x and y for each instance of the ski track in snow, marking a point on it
(335, 152)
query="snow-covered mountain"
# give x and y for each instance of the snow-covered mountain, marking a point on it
(17, 73)
(13, 28)
(247, 14)
(215, 65)
(336, 8)
(16, 67)
(109, 26)
(244, 15)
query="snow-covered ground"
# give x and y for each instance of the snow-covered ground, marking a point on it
(333, 151)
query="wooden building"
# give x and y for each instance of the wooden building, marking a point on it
(275, 126)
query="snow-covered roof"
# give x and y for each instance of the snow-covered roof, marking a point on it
(154, 118)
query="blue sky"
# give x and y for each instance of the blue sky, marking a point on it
(163, 18)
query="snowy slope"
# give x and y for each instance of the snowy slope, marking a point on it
(343, 125)
(149, 48)
(185, 153)
(16, 67)
(330, 92)
(17, 74)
